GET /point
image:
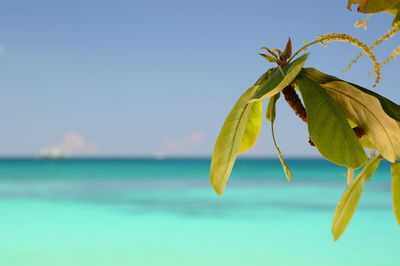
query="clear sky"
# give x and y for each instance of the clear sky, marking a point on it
(146, 78)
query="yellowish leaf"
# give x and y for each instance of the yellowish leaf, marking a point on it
(372, 6)
(366, 111)
(349, 201)
(236, 134)
(253, 127)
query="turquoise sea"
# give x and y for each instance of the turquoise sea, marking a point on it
(133, 212)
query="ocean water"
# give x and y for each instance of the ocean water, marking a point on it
(163, 212)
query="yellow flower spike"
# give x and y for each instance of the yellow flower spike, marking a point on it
(341, 37)
(389, 34)
(392, 56)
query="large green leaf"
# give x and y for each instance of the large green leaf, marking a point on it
(392, 109)
(253, 127)
(372, 6)
(349, 201)
(317, 76)
(235, 131)
(366, 111)
(229, 141)
(378, 116)
(396, 190)
(328, 127)
(279, 79)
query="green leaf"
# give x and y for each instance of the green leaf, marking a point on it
(392, 109)
(285, 167)
(317, 76)
(397, 17)
(229, 142)
(278, 81)
(366, 111)
(277, 51)
(372, 6)
(264, 77)
(395, 11)
(268, 58)
(231, 137)
(271, 114)
(287, 53)
(328, 126)
(374, 113)
(253, 127)
(271, 109)
(366, 143)
(270, 52)
(348, 203)
(396, 190)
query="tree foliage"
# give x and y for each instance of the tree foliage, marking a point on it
(343, 119)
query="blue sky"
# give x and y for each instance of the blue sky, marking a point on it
(146, 78)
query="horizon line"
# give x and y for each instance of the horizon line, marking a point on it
(147, 157)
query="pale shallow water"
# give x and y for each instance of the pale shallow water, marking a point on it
(163, 212)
